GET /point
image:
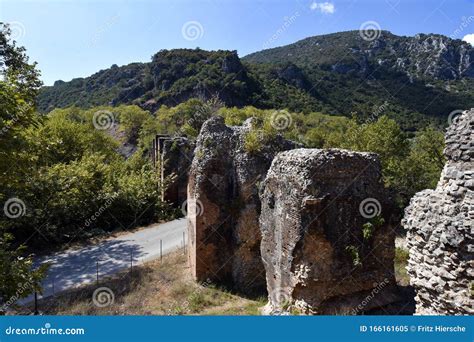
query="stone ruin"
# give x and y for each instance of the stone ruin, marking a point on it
(440, 225)
(224, 206)
(327, 240)
(314, 227)
(172, 157)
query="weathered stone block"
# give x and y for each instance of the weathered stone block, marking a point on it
(223, 206)
(327, 244)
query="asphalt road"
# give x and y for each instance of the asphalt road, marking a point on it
(75, 267)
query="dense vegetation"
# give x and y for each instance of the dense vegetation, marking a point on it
(410, 163)
(78, 184)
(18, 88)
(410, 79)
(63, 177)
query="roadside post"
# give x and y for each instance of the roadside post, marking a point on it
(161, 250)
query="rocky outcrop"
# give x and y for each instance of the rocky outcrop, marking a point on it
(439, 226)
(223, 205)
(172, 157)
(327, 244)
(438, 56)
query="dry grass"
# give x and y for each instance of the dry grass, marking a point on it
(166, 288)
(154, 289)
(401, 261)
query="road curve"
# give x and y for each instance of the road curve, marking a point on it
(75, 267)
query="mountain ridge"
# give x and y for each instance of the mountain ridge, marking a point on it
(422, 78)
(449, 50)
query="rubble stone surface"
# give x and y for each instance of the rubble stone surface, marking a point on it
(440, 225)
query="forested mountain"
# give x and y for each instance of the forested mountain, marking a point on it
(170, 78)
(413, 79)
(423, 56)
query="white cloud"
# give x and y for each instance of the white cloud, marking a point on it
(324, 7)
(469, 38)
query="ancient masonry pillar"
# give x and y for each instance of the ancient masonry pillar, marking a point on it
(224, 206)
(327, 240)
(440, 225)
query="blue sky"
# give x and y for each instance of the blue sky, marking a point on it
(77, 38)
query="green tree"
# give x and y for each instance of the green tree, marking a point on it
(17, 280)
(383, 137)
(19, 83)
(422, 167)
(66, 135)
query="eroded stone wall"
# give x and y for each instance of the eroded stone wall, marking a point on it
(440, 225)
(224, 206)
(327, 242)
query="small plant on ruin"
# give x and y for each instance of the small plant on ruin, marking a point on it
(199, 154)
(261, 134)
(253, 143)
(367, 230)
(354, 253)
(174, 146)
(369, 227)
(207, 142)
